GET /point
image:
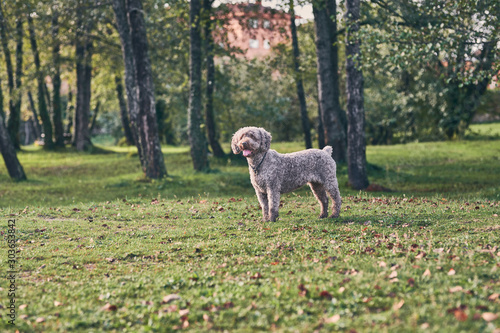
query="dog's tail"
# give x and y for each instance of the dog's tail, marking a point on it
(328, 150)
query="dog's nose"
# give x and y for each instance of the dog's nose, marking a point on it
(244, 144)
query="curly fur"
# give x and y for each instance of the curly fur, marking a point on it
(273, 173)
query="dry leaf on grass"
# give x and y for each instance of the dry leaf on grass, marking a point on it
(489, 316)
(332, 319)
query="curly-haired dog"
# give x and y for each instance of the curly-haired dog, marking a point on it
(273, 173)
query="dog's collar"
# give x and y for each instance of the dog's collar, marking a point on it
(256, 169)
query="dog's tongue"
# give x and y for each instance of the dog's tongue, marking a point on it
(246, 152)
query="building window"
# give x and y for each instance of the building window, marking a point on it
(266, 24)
(253, 23)
(254, 44)
(266, 44)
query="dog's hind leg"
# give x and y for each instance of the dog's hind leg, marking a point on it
(332, 187)
(320, 194)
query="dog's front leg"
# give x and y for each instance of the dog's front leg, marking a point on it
(274, 203)
(263, 200)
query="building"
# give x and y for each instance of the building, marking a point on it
(251, 29)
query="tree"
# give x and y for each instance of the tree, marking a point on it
(56, 82)
(123, 110)
(197, 139)
(139, 86)
(328, 95)
(356, 147)
(15, 115)
(9, 155)
(306, 127)
(83, 57)
(209, 106)
(10, 71)
(42, 105)
(450, 49)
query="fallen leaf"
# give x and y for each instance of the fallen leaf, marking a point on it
(411, 282)
(40, 319)
(493, 297)
(451, 271)
(398, 305)
(109, 307)
(185, 324)
(170, 298)
(456, 289)
(183, 312)
(332, 319)
(460, 315)
(393, 275)
(382, 264)
(427, 272)
(22, 306)
(206, 317)
(56, 303)
(325, 294)
(489, 316)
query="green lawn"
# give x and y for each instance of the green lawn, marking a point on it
(102, 249)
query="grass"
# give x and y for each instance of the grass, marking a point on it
(102, 249)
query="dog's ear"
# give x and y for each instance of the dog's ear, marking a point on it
(266, 138)
(234, 143)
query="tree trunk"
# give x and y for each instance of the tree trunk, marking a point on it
(132, 89)
(56, 82)
(356, 157)
(2, 113)
(306, 127)
(123, 110)
(94, 117)
(209, 107)
(8, 151)
(36, 123)
(195, 133)
(83, 55)
(13, 121)
(328, 97)
(42, 105)
(149, 138)
(321, 131)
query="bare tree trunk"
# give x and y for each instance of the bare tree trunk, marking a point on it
(56, 82)
(42, 106)
(197, 139)
(94, 117)
(9, 155)
(83, 55)
(306, 127)
(209, 107)
(2, 113)
(321, 131)
(332, 123)
(155, 164)
(8, 60)
(123, 26)
(139, 86)
(36, 123)
(356, 157)
(123, 110)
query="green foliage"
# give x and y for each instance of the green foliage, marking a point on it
(435, 59)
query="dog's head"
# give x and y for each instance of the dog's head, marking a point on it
(250, 141)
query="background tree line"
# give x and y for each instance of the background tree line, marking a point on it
(144, 71)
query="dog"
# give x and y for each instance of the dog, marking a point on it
(272, 173)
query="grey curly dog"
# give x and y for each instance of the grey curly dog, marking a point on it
(273, 173)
